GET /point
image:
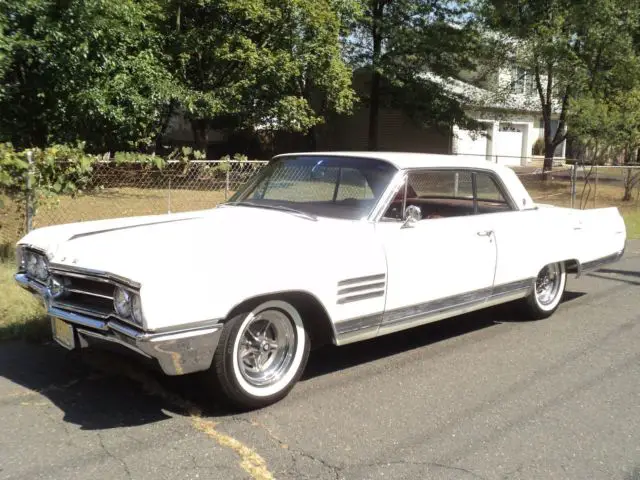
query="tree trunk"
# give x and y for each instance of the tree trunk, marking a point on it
(374, 111)
(164, 124)
(374, 94)
(549, 152)
(200, 134)
(312, 138)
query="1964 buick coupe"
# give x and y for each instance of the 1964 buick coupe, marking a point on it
(317, 248)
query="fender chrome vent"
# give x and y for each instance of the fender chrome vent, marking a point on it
(361, 288)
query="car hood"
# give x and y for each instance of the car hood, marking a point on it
(139, 248)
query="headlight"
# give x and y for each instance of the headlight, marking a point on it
(31, 262)
(136, 309)
(20, 259)
(42, 268)
(122, 302)
(57, 286)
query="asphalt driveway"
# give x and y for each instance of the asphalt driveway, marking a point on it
(483, 396)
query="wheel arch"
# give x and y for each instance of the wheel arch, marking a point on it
(572, 266)
(314, 315)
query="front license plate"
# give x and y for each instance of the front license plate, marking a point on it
(63, 333)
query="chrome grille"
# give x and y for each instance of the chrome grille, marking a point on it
(85, 295)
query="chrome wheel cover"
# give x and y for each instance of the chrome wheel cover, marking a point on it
(267, 347)
(548, 284)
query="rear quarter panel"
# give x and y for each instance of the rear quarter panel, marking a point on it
(529, 239)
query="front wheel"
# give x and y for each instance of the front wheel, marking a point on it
(547, 291)
(261, 354)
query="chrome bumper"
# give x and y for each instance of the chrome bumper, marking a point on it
(601, 262)
(177, 351)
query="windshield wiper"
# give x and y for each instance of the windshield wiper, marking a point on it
(281, 208)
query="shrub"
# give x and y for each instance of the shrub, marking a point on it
(538, 147)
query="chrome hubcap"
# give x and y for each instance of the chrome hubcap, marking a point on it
(267, 346)
(548, 284)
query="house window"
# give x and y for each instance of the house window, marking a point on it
(522, 81)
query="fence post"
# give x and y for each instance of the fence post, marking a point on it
(226, 183)
(595, 189)
(574, 178)
(169, 199)
(29, 193)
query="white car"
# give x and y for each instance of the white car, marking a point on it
(317, 248)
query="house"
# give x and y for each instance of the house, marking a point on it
(505, 104)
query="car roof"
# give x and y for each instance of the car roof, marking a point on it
(410, 160)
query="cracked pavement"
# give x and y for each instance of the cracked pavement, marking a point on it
(482, 396)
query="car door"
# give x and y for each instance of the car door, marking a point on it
(442, 264)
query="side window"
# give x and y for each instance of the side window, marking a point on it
(438, 194)
(489, 196)
(442, 184)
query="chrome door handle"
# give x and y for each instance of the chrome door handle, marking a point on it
(485, 233)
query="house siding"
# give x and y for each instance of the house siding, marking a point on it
(396, 132)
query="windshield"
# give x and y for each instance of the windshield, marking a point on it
(326, 186)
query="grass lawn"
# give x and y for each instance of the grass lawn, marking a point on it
(21, 314)
(632, 220)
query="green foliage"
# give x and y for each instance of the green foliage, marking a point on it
(403, 43)
(538, 147)
(608, 125)
(85, 70)
(56, 170)
(573, 50)
(256, 63)
(139, 159)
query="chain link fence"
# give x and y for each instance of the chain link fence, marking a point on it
(120, 190)
(582, 187)
(123, 190)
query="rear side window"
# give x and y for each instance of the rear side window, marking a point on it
(450, 193)
(489, 196)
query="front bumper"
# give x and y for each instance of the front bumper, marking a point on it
(177, 352)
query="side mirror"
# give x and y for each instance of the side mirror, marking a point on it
(412, 215)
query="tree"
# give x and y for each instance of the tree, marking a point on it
(610, 127)
(403, 42)
(86, 70)
(256, 63)
(572, 49)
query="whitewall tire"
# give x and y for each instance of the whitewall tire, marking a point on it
(261, 354)
(547, 291)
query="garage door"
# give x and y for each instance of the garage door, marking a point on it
(508, 145)
(470, 143)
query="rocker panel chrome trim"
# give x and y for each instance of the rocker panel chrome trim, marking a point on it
(360, 328)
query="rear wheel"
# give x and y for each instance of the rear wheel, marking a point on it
(261, 354)
(547, 292)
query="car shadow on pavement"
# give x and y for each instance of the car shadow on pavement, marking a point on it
(99, 390)
(95, 390)
(626, 276)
